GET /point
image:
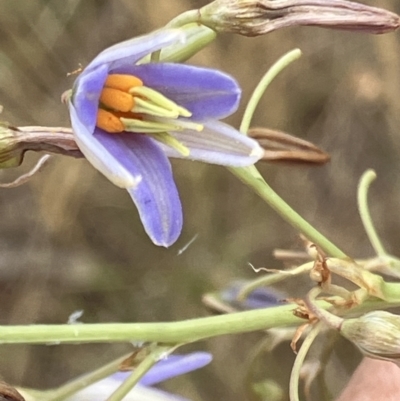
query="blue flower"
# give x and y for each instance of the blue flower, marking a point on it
(229, 299)
(174, 365)
(128, 118)
(258, 298)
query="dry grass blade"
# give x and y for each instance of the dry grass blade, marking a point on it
(24, 178)
(8, 393)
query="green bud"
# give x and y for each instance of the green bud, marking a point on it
(376, 334)
(196, 38)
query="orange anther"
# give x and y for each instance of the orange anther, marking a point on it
(122, 82)
(109, 122)
(116, 99)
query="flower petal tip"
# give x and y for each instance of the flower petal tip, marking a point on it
(257, 152)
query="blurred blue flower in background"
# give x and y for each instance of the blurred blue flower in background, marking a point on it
(129, 118)
(260, 297)
(174, 365)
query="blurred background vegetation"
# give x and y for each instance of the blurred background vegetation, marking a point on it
(70, 240)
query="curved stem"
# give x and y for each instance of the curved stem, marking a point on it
(298, 363)
(183, 19)
(81, 382)
(362, 196)
(139, 372)
(273, 278)
(271, 74)
(253, 179)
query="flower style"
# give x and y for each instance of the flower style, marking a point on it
(128, 118)
(174, 365)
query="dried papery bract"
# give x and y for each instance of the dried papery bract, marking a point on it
(8, 393)
(15, 141)
(253, 18)
(281, 147)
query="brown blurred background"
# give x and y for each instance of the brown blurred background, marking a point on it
(70, 240)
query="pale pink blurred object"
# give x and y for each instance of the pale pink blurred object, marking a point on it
(373, 380)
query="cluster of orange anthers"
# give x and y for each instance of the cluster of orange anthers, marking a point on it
(117, 102)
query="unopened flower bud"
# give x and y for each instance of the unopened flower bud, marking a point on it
(376, 334)
(253, 18)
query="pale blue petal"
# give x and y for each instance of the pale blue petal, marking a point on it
(208, 94)
(88, 86)
(132, 50)
(260, 297)
(100, 156)
(218, 143)
(86, 94)
(155, 194)
(175, 365)
(104, 388)
(137, 163)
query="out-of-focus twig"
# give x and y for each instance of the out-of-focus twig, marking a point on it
(9, 393)
(24, 178)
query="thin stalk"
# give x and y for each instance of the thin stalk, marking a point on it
(183, 19)
(72, 387)
(362, 196)
(253, 179)
(298, 363)
(270, 75)
(139, 372)
(273, 278)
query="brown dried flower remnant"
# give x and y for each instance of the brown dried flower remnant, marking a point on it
(281, 147)
(8, 393)
(253, 18)
(15, 141)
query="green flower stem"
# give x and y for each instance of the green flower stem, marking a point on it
(167, 333)
(298, 363)
(390, 292)
(270, 75)
(253, 179)
(362, 196)
(173, 332)
(183, 19)
(139, 372)
(72, 387)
